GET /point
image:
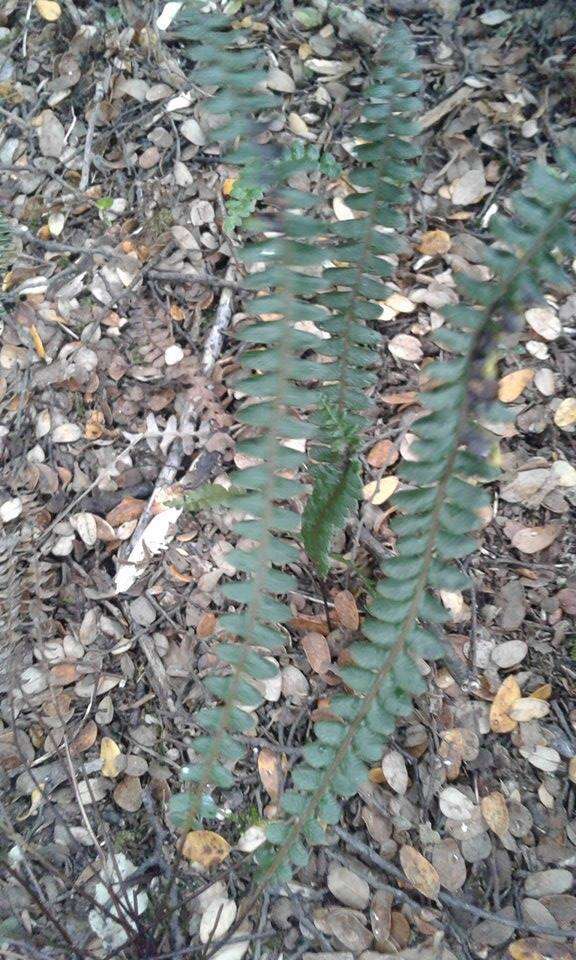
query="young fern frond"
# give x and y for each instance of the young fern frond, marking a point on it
(437, 514)
(362, 248)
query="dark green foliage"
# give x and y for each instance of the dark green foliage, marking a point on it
(438, 512)
(336, 490)
(332, 274)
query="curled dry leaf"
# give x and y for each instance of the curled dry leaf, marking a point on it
(495, 812)
(507, 695)
(205, 848)
(534, 539)
(420, 872)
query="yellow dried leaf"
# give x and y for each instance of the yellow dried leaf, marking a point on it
(205, 848)
(36, 798)
(542, 693)
(495, 812)
(512, 385)
(378, 491)
(48, 9)
(435, 242)
(509, 693)
(420, 872)
(228, 185)
(565, 416)
(37, 341)
(109, 753)
(270, 770)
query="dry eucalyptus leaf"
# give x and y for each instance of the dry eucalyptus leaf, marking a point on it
(534, 539)
(513, 384)
(348, 887)
(508, 694)
(205, 848)
(394, 770)
(420, 872)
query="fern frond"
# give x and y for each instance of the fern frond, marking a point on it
(438, 512)
(362, 248)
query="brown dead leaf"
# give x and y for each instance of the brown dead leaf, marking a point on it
(317, 652)
(206, 625)
(270, 770)
(420, 872)
(495, 812)
(405, 347)
(507, 695)
(109, 754)
(64, 673)
(535, 949)
(542, 693)
(205, 848)
(128, 509)
(128, 794)
(534, 539)
(382, 454)
(513, 384)
(310, 621)
(435, 243)
(85, 739)
(346, 610)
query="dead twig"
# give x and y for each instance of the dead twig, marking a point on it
(101, 88)
(221, 323)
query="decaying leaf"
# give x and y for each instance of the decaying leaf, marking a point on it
(378, 491)
(435, 243)
(205, 848)
(420, 872)
(394, 770)
(507, 695)
(346, 610)
(317, 652)
(109, 754)
(270, 770)
(534, 539)
(513, 384)
(495, 812)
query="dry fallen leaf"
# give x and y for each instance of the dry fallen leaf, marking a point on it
(128, 794)
(346, 610)
(270, 770)
(469, 188)
(435, 242)
(109, 754)
(348, 888)
(378, 491)
(512, 385)
(420, 872)
(529, 708)
(48, 9)
(565, 416)
(543, 758)
(508, 694)
(217, 919)
(317, 652)
(534, 539)
(394, 770)
(535, 949)
(382, 454)
(495, 812)
(510, 653)
(544, 321)
(405, 347)
(455, 805)
(205, 848)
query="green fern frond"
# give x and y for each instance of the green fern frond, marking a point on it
(438, 513)
(361, 247)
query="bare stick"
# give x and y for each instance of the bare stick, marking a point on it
(221, 323)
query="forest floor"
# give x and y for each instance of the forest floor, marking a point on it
(118, 395)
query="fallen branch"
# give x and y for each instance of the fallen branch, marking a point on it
(221, 323)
